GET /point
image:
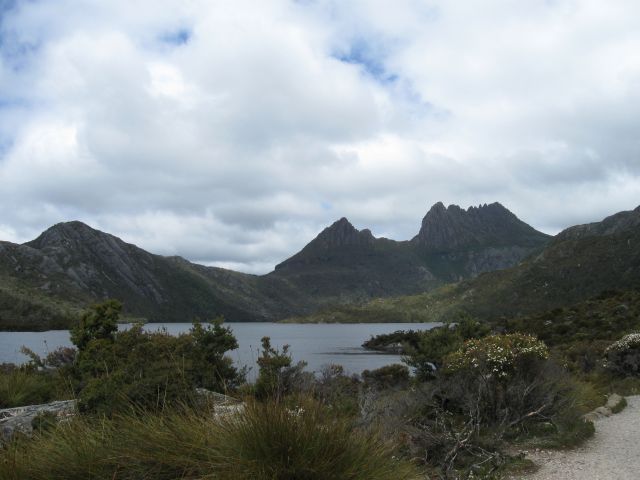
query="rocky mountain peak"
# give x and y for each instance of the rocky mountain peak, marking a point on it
(66, 234)
(341, 233)
(452, 228)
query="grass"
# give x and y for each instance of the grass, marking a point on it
(265, 442)
(19, 387)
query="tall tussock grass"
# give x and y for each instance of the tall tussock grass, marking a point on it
(18, 387)
(265, 441)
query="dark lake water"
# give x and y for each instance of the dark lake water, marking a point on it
(316, 344)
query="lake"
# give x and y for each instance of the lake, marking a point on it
(316, 344)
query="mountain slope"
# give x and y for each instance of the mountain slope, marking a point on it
(70, 265)
(579, 263)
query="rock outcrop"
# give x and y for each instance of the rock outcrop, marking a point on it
(20, 419)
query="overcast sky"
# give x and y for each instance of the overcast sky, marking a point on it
(232, 132)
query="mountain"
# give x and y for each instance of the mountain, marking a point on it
(454, 229)
(458, 243)
(579, 264)
(45, 282)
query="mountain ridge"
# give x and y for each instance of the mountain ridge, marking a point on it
(73, 264)
(580, 263)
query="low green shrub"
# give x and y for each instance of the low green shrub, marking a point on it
(152, 370)
(389, 376)
(338, 391)
(277, 375)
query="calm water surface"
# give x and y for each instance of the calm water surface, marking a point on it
(316, 344)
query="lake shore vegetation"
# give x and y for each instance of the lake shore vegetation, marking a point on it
(469, 397)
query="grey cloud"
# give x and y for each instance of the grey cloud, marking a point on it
(231, 134)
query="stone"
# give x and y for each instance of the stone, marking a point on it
(614, 402)
(603, 411)
(591, 417)
(18, 419)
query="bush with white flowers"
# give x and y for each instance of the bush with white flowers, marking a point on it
(497, 356)
(623, 357)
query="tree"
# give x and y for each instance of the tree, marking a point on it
(99, 322)
(210, 368)
(277, 376)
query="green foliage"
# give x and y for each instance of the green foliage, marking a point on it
(389, 376)
(608, 316)
(394, 341)
(209, 368)
(148, 369)
(497, 356)
(99, 322)
(339, 392)
(24, 386)
(277, 376)
(434, 345)
(265, 442)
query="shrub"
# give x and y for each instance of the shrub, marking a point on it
(432, 346)
(337, 390)
(277, 376)
(148, 369)
(623, 357)
(61, 357)
(505, 378)
(498, 356)
(99, 322)
(389, 376)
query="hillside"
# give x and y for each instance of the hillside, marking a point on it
(578, 264)
(45, 282)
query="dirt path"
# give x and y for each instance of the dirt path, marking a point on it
(612, 454)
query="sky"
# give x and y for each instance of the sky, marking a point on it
(231, 133)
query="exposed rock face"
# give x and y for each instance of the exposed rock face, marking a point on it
(98, 262)
(453, 228)
(465, 243)
(342, 233)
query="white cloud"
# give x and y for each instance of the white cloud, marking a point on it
(231, 133)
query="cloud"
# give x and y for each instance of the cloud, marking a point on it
(231, 133)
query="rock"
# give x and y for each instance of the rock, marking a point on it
(603, 411)
(446, 229)
(18, 419)
(615, 402)
(591, 417)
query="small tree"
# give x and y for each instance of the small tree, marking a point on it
(99, 322)
(277, 376)
(210, 368)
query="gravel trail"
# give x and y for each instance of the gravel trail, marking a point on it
(612, 454)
